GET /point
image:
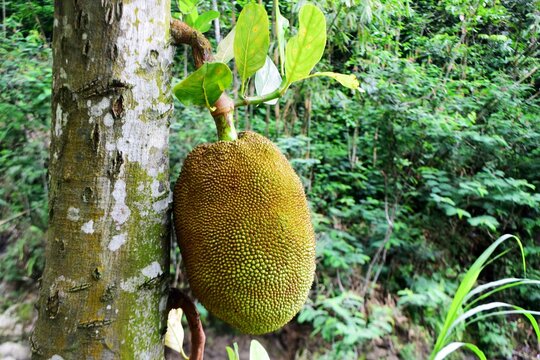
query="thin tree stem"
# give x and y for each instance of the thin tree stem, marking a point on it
(217, 30)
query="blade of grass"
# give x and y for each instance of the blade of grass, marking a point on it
(528, 314)
(466, 285)
(450, 348)
(485, 307)
(496, 257)
(500, 286)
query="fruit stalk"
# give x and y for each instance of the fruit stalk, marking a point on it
(223, 110)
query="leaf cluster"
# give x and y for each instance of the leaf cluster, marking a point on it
(248, 43)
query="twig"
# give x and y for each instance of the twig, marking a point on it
(382, 250)
(182, 33)
(5, 221)
(178, 299)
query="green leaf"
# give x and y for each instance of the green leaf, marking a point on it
(498, 285)
(205, 85)
(484, 220)
(267, 79)
(191, 17)
(251, 40)
(186, 6)
(481, 312)
(204, 21)
(257, 351)
(305, 50)
(349, 81)
(233, 353)
(450, 348)
(225, 49)
(465, 287)
(451, 211)
(529, 314)
(230, 353)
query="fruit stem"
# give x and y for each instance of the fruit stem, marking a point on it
(225, 127)
(224, 118)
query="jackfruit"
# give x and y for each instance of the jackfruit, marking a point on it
(245, 234)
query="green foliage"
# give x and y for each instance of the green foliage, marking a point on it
(445, 139)
(459, 311)
(305, 49)
(29, 16)
(190, 15)
(348, 81)
(24, 133)
(493, 335)
(248, 42)
(251, 40)
(425, 299)
(339, 321)
(256, 352)
(205, 85)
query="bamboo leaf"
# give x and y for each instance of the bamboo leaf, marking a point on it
(529, 314)
(205, 85)
(251, 40)
(305, 50)
(498, 285)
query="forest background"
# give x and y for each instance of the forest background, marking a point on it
(408, 180)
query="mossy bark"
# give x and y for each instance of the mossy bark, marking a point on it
(104, 288)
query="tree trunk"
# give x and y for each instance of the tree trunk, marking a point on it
(104, 288)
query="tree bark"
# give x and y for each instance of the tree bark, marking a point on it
(104, 288)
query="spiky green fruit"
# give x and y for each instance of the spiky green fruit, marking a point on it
(244, 230)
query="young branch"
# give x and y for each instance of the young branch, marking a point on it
(182, 33)
(255, 100)
(178, 299)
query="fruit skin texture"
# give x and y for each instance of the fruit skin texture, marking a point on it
(244, 230)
